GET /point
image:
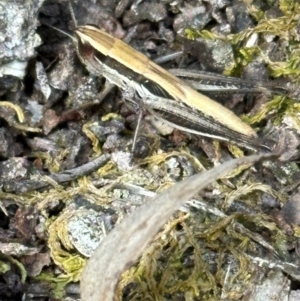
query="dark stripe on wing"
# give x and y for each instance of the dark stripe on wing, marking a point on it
(153, 87)
(206, 126)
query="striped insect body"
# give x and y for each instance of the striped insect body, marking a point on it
(159, 91)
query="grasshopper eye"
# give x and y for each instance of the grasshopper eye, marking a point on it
(84, 48)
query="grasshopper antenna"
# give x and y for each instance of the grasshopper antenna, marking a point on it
(61, 31)
(72, 13)
(73, 19)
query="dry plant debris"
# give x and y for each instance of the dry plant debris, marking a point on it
(68, 176)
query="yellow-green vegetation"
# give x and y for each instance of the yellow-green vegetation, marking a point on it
(16, 108)
(61, 248)
(198, 256)
(6, 261)
(202, 256)
(285, 29)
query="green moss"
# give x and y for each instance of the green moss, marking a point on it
(57, 284)
(4, 266)
(278, 107)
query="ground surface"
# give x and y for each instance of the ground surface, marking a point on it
(68, 175)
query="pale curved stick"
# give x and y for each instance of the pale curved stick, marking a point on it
(126, 242)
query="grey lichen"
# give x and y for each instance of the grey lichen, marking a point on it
(18, 36)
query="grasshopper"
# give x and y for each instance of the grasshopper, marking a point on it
(152, 88)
